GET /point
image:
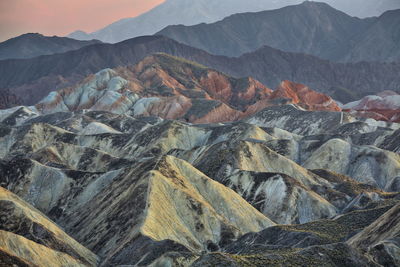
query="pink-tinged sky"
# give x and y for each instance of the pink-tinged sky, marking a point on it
(61, 17)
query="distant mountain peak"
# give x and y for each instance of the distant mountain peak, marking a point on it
(315, 3)
(79, 35)
(26, 36)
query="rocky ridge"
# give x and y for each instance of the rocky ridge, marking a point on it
(173, 88)
(27, 235)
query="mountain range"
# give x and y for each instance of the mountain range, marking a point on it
(32, 45)
(174, 88)
(172, 12)
(27, 81)
(190, 12)
(311, 27)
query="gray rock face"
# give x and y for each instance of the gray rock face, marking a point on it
(294, 203)
(343, 146)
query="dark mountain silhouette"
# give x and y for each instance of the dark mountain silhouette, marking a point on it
(311, 27)
(381, 42)
(34, 44)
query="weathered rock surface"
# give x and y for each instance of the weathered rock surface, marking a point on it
(304, 97)
(29, 238)
(164, 191)
(160, 196)
(365, 164)
(319, 243)
(328, 255)
(381, 238)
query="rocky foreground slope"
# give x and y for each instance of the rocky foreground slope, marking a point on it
(29, 238)
(282, 187)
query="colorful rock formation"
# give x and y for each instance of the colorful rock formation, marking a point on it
(384, 106)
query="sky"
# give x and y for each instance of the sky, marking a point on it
(61, 17)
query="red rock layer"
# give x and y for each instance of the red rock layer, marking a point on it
(192, 80)
(305, 97)
(384, 106)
